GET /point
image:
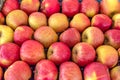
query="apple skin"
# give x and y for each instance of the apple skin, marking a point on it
(96, 71)
(45, 35)
(19, 70)
(112, 37)
(69, 71)
(109, 7)
(13, 19)
(22, 34)
(2, 18)
(101, 21)
(80, 21)
(1, 73)
(93, 36)
(115, 73)
(89, 7)
(7, 7)
(32, 52)
(30, 6)
(116, 21)
(50, 7)
(105, 54)
(10, 52)
(45, 72)
(58, 53)
(59, 22)
(37, 19)
(118, 51)
(66, 38)
(6, 34)
(70, 7)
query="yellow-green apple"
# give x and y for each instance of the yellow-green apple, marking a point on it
(59, 22)
(101, 21)
(45, 35)
(59, 52)
(89, 7)
(70, 7)
(67, 39)
(37, 19)
(116, 21)
(10, 5)
(93, 36)
(22, 33)
(105, 55)
(1, 73)
(83, 54)
(112, 37)
(69, 71)
(19, 70)
(109, 7)
(45, 70)
(32, 52)
(30, 6)
(6, 34)
(10, 52)
(50, 7)
(80, 21)
(115, 73)
(2, 18)
(96, 71)
(16, 18)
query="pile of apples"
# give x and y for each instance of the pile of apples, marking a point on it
(60, 40)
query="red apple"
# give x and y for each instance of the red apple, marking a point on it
(45, 70)
(10, 5)
(1, 73)
(50, 7)
(58, 53)
(10, 53)
(31, 52)
(19, 70)
(116, 21)
(30, 6)
(67, 39)
(70, 7)
(101, 21)
(22, 34)
(96, 71)
(2, 18)
(69, 71)
(83, 54)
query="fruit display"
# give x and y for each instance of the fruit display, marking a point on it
(60, 40)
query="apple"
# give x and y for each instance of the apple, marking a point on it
(101, 21)
(67, 39)
(22, 34)
(30, 6)
(70, 7)
(112, 37)
(109, 7)
(118, 51)
(45, 70)
(1, 73)
(69, 71)
(32, 52)
(2, 18)
(89, 7)
(13, 19)
(96, 71)
(37, 19)
(83, 54)
(10, 52)
(59, 22)
(19, 70)
(116, 21)
(45, 35)
(105, 55)
(50, 7)
(115, 73)
(6, 34)
(93, 36)
(80, 21)
(10, 5)
(58, 52)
